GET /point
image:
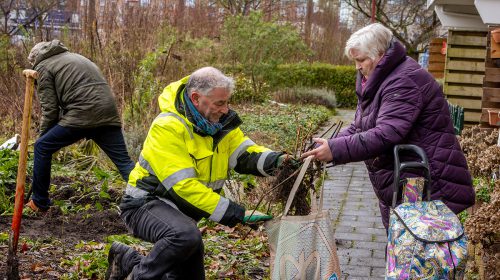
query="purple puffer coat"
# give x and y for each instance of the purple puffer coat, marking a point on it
(402, 104)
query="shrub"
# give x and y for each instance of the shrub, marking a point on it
(244, 91)
(339, 79)
(483, 227)
(258, 46)
(174, 56)
(275, 126)
(9, 161)
(316, 96)
(483, 155)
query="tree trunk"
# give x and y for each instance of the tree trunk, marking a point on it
(89, 26)
(308, 25)
(179, 15)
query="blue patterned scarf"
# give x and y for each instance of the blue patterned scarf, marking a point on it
(199, 121)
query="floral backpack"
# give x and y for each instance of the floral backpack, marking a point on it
(426, 239)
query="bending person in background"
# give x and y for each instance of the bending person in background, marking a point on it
(77, 103)
(398, 103)
(187, 155)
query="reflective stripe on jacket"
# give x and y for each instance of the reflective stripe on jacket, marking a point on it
(180, 165)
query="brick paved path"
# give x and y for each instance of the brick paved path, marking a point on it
(353, 206)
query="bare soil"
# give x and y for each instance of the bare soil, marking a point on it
(55, 235)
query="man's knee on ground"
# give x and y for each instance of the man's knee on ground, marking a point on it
(189, 237)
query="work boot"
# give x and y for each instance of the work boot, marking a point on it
(115, 256)
(31, 204)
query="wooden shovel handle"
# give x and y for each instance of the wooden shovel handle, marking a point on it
(30, 75)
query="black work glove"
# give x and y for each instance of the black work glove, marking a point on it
(285, 158)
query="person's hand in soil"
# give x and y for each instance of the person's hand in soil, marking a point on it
(254, 216)
(322, 151)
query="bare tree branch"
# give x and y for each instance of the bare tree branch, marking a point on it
(36, 8)
(6, 8)
(409, 20)
(238, 7)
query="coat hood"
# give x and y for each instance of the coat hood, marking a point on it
(166, 100)
(45, 50)
(393, 56)
(169, 103)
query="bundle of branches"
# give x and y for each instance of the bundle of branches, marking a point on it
(301, 204)
(287, 174)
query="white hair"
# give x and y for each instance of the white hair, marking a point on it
(206, 79)
(371, 40)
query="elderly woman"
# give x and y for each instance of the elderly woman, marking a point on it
(398, 103)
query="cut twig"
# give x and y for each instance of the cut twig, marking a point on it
(295, 173)
(324, 133)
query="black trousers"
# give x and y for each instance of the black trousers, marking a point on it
(178, 247)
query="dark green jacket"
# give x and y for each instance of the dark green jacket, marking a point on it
(72, 90)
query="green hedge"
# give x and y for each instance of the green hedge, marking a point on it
(340, 79)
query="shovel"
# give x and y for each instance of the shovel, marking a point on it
(12, 260)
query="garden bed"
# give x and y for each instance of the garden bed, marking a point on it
(482, 221)
(71, 241)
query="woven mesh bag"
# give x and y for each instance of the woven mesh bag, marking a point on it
(303, 247)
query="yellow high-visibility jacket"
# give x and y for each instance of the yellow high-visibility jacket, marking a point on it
(187, 168)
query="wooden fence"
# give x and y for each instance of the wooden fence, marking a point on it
(436, 58)
(464, 72)
(491, 85)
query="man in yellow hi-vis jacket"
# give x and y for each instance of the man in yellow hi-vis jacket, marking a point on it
(188, 152)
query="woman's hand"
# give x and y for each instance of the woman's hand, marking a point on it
(322, 152)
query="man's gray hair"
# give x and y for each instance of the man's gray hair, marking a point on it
(372, 40)
(206, 79)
